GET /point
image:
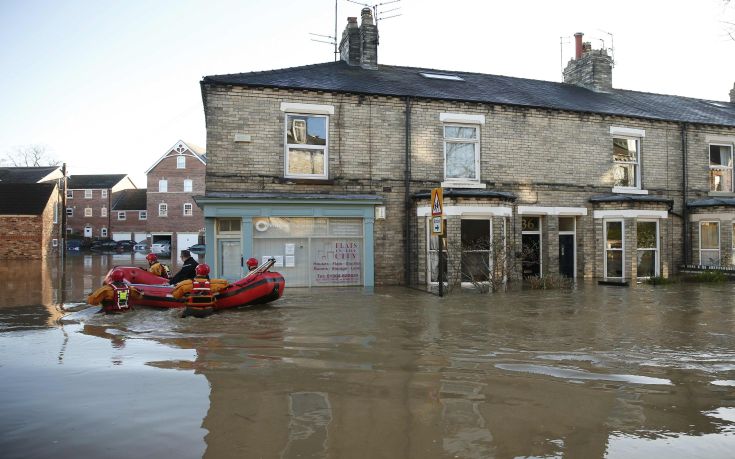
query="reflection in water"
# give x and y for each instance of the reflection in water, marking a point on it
(598, 372)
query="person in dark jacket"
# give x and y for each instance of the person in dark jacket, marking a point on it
(188, 269)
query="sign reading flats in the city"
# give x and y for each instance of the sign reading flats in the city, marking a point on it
(437, 211)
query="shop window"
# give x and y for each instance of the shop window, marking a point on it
(181, 162)
(306, 146)
(614, 249)
(709, 243)
(461, 152)
(647, 243)
(720, 168)
(626, 159)
(187, 186)
(188, 210)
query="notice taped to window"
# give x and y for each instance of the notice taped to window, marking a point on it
(337, 262)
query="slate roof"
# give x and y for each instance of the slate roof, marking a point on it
(398, 81)
(130, 199)
(468, 193)
(24, 174)
(96, 181)
(630, 198)
(24, 198)
(710, 202)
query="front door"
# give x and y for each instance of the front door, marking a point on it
(566, 255)
(230, 259)
(87, 231)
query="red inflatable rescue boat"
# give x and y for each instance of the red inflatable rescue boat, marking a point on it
(259, 286)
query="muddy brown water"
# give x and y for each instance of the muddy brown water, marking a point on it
(640, 372)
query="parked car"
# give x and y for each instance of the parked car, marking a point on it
(74, 244)
(142, 246)
(125, 245)
(103, 244)
(161, 247)
(197, 248)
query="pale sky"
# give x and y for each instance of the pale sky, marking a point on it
(108, 86)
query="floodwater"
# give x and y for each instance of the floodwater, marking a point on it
(639, 372)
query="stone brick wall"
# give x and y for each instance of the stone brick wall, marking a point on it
(22, 236)
(545, 157)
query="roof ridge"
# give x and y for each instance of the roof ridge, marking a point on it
(265, 72)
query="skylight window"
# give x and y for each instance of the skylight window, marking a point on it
(718, 104)
(441, 76)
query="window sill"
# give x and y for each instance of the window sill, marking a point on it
(460, 184)
(721, 193)
(305, 181)
(626, 190)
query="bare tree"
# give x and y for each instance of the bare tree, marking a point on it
(730, 19)
(29, 156)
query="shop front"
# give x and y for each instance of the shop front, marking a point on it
(316, 240)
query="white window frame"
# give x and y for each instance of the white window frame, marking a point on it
(190, 187)
(103, 232)
(69, 230)
(489, 220)
(637, 163)
(142, 215)
(103, 212)
(719, 242)
(56, 213)
(88, 212)
(163, 186)
(711, 167)
(656, 250)
(191, 209)
(54, 242)
(538, 231)
(163, 209)
(289, 146)
(104, 193)
(476, 141)
(69, 194)
(622, 249)
(87, 194)
(181, 162)
(121, 215)
(69, 211)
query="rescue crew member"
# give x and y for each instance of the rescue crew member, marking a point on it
(252, 264)
(187, 270)
(156, 267)
(114, 296)
(201, 284)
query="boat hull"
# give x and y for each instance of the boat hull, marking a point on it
(260, 288)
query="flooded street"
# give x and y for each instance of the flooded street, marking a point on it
(640, 372)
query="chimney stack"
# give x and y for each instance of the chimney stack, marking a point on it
(359, 45)
(590, 68)
(732, 94)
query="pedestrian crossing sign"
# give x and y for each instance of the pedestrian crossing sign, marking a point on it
(437, 202)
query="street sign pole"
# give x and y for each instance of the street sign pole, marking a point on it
(437, 229)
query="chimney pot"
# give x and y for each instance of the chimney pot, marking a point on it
(578, 45)
(732, 94)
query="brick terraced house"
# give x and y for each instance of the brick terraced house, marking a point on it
(129, 217)
(30, 221)
(328, 168)
(89, 200)
(173, 180)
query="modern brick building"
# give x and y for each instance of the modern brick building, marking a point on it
(173, 180)
(129, 217)
(30, 221)
(89, 200)
(328, 167)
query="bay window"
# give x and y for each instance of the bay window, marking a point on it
(614, 249)
(709, 243)
(647, 242)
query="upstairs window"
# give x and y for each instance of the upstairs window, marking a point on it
(69, 211)
(181, 162)
(163, 186)
(103, 232)
(626, 159)
(56, 213)
(720, 168)
(104, 193)
(187, 186)
(121, 215)
(87, 194)
(103, 212)
(163, 210)
(87, 211)
(306, 146)
(143, 215)
(461, 152)
(188, 210)
(69, 194)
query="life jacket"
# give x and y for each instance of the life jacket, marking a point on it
(201, 295)
(201, 286)
(120, 296)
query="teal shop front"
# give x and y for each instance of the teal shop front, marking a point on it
(317, 240)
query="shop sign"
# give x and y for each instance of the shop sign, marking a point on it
(338, 262)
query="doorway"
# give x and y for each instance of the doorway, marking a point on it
(567, 246)
(531, 246)
(87, 231)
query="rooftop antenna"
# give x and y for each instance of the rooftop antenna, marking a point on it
(332, 38)
(612, 45)
(376, 14)
(562, 42)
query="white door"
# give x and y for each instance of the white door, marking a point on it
(140, 237)
(186, 240)
(120, 236)
(87, 231)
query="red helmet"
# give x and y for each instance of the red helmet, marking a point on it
(117, 275)
(252, 263)
(202, 269)
(151, 257)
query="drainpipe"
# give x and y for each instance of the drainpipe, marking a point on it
(685, 184)
(407, 195)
